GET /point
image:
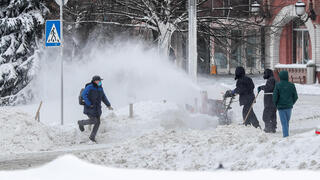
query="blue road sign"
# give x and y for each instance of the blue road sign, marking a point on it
(53, 33)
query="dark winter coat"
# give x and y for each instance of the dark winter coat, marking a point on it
(268, 88)
(285, 93)
(93, 95)
(244, 87)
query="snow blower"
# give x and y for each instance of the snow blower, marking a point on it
(214, 107)
(220, 108)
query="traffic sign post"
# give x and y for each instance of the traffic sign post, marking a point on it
(54, 38)
(61, 49)
(53, 33)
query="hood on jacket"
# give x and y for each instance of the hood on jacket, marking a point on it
(267, 74)
(284, 75)
(240, 72)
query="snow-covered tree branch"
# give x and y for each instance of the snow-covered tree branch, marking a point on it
(20, 22)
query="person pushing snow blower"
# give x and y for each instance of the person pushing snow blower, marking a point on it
(244, 88)
(270, 111)
(91, 98)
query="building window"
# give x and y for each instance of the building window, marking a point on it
(240, 48)
(301, 43)
(252, 48)
(220, 52)
(4, 3)
(226, 3)
(240, 8)
(235, 59)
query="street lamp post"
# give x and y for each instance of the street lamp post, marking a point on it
(300, 8)
(192, 39)
(255, 7)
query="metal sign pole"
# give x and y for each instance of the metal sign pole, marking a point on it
(61, 51)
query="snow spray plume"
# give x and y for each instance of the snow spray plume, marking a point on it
(131, 71)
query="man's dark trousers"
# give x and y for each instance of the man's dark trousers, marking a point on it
(95, 120)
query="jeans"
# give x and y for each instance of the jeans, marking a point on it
(92, 120)
(285, 115)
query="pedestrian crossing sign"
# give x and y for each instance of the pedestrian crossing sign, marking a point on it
(53, 33)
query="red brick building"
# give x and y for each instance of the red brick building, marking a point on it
(292, 42)
(296, 44)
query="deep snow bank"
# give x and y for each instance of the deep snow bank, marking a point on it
(150, 116)
(236, 146)
(19, 132)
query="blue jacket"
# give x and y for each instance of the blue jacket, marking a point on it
(93, 95)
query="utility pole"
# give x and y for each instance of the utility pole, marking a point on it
(192, 39)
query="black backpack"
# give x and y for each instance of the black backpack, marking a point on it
(81, 100)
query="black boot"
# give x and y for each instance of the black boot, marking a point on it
(266, 130)
(93, 139)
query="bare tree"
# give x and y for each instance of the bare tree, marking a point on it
(218, 20)
(162, 17)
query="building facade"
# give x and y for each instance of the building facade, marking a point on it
(295, 45)
(236, 39)
(282, 41)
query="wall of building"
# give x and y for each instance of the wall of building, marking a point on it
(285, 54)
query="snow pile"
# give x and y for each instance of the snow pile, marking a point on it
(69, 167)
(21, 133)
(236, 147)
(148, 117)
(162, 136)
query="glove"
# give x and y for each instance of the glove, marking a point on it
(229, 93)
(110, 108)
